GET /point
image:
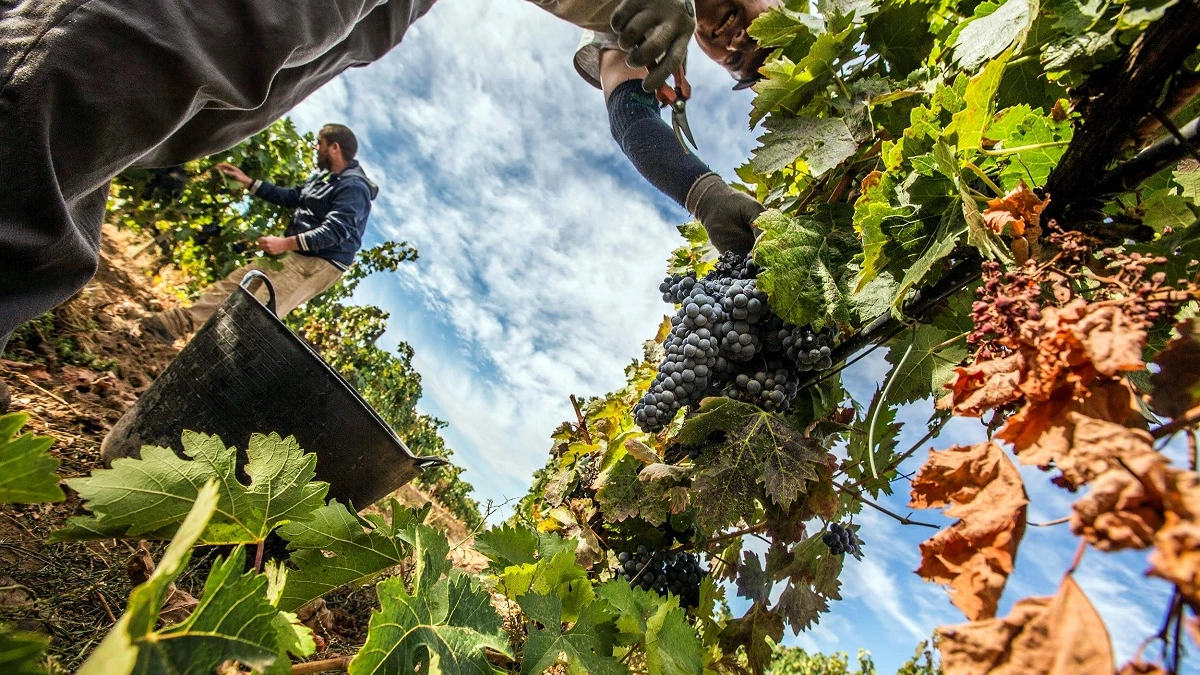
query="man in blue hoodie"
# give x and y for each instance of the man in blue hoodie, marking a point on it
(325, 233)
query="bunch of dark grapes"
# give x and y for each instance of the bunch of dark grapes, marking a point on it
(725, 340)
(809, 350)
(677, 573)
(841, 540)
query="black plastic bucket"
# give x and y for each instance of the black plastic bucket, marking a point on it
(245, 372)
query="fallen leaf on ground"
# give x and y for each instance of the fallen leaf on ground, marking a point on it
(975, 555)
(178, 605)
(1060, 635)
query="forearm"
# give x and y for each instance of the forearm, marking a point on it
(280, 196)
(650, 144)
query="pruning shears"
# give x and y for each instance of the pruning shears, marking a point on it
(676, 97)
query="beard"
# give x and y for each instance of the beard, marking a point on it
(322, 161)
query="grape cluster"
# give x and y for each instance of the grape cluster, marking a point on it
(725, 340)
(841, 540)
(678, 573)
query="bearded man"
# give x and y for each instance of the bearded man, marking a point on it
(326, 231)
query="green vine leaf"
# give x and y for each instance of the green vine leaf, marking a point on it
(448, 617)
(759, 449)
(148, 497)
(1043, 137)
(234, 620)
(335, 547)
(978, 234)
(993, 29)
(822, 142)
(588, 645)
(507, 545)
(803, 260)
(26, 469)
(21, 653)
(885, 437)
(783, 27)
(560, 575)
(791, 85)
(670, 644)
(968, 124)
(758, 631)
(935, 354)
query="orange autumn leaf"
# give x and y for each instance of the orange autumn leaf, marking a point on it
(975, 555)
(1062, 635)
(1126, 505)
(1019, 209)
(1177, 384)
(1078, 435)
(1112, 342)
(982, 386)
(1176, 555)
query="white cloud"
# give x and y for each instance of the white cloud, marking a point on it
(539, 261)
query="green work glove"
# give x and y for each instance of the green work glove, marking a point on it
(726, 214)
(655, 34)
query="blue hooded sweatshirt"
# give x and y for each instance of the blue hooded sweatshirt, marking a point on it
(331, 212)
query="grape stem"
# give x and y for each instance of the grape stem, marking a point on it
(582, 425)
(753, 529)
(904, 520)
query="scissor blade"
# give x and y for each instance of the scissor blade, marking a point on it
(682, 130)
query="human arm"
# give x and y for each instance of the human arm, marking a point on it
(653, 34)
(286, 197)
(650, 144)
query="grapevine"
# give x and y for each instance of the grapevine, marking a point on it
(999, 196)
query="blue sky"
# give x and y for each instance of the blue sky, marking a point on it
(541, 253)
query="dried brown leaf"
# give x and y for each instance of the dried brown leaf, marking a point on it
(985, 385)
(1177, 384)
(1111, 340)
(1176, 555)
(1062, 635)
(1017, 210)
(1078, 435)
(975, 555)
(1126, 505)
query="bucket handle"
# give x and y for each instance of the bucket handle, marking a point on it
(257, 274)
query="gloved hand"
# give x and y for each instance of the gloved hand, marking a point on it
(655, 33)
(726, 214)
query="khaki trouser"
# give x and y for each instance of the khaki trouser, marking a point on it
(301, 279)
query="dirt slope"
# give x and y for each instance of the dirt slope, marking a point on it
(76, 375)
